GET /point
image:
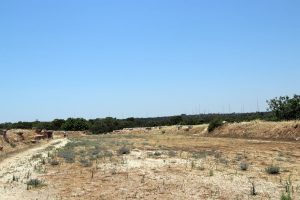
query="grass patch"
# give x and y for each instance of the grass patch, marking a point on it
(67, 154)
(286, 196)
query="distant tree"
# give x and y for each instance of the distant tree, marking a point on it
(105, 125)
(75, 124)
(98, 127)
(57, 124)
(175, 120)
(285, 108)
(43, 125)
(130, 119)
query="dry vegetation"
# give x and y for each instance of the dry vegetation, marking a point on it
(166, 163)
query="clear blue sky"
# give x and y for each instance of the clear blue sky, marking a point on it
(141, 58)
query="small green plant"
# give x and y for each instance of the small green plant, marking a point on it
(157, 153)
(273, 169)
(43, 161)
(244, 166)
(16, 179)
(37, 156)
(86, 163)
(34, 183)
(286, 196)
(201, 168)
(199, 155)
(214, 124)
(253, 190)
(172, 153)
(28, 174)
(54, 162)
(68, 154)
(124, 150)
(13, 145)
(193, 164)
(288, 188)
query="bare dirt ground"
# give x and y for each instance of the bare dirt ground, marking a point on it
(158, 163)
(176, 167)
(18, 169)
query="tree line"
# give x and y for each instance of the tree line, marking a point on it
(109, 124)
(282, 108)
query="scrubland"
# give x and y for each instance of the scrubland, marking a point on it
(175, 162)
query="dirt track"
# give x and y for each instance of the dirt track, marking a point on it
(17, 169)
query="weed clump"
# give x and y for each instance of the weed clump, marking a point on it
(67, 154)
(244, 166)
(172, 153)
(273, 169)
(286, 196)
(86, 163)
(157, 153)
(34, 183)
(124, 150)
(253, 190)
(54, 162)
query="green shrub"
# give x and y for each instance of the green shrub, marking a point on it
(35, 183)
(67, 154)
(285, 107)
(123, 150)
(172, 153)
(157, 153)
(244, 166)
(86, 163)
(286, 196)
(54, 162)
(13, 145)
(273, 169)
(214, 124)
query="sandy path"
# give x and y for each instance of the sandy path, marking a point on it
(23, 167)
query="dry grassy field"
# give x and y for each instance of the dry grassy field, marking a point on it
(161, 163)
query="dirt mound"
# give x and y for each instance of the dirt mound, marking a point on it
(18, 135)
(60, 134)
(14, 140)
(180, 129)
(286, 130)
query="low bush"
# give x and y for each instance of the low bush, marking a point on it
(273, 169)
(67, 154)
(54, 162)
(172, 153)
(286, 196)
(86, 163)
(244, 166)
(157, 153)
(123, 151)
(35, 183)
(214, 124)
